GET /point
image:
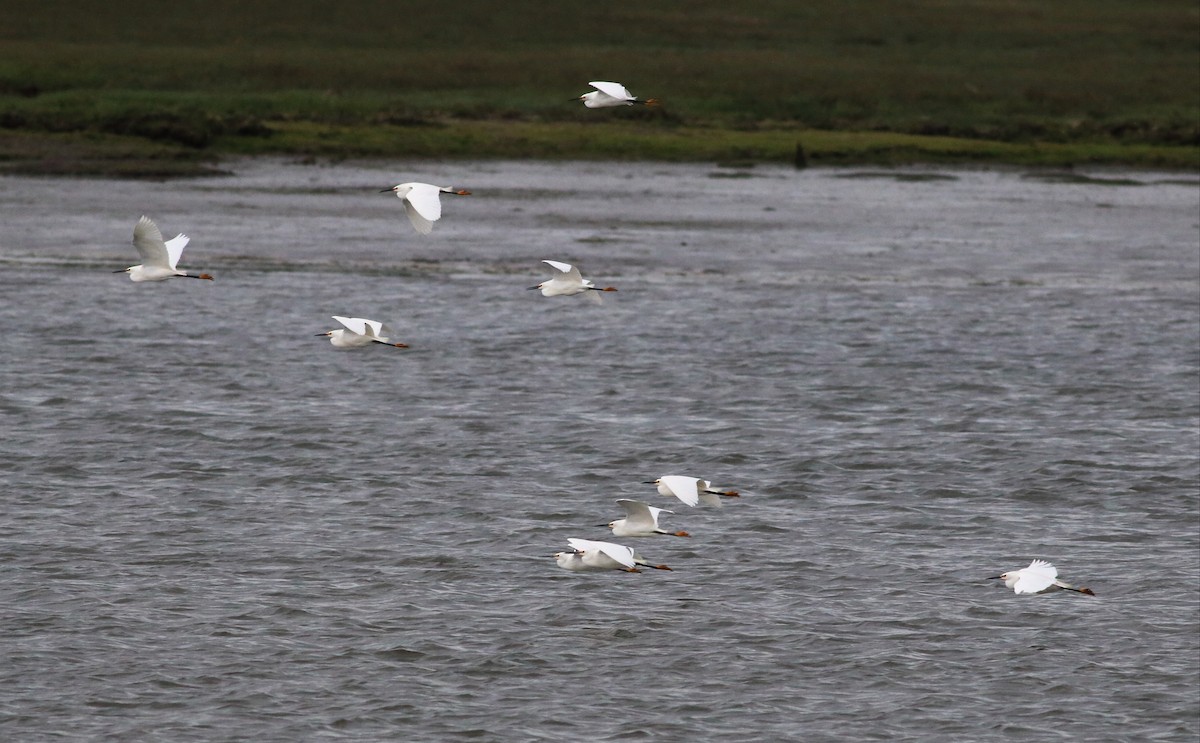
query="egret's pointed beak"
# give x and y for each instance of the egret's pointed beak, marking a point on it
(322, 335)
(123, 270)
(649, 482)
(386, 190)
(539, 286)
(994, 577)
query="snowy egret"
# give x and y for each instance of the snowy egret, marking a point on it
(423, 203)
(589, 555)
(360, 332)
(607, 95)
(1039, 577)
(641, 520)
(158, 257)
(567, 281)
(691, 490)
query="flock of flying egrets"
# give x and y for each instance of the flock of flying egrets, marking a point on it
(422, 205)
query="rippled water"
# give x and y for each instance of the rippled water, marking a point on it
(216, 527)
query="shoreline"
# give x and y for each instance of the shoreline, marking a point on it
(89, 154)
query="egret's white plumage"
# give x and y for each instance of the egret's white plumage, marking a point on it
(159, 257)
(423, 203)
(589, 555)
(360, 332)
(567, 281)
(641, 520)
(1039, 577)
(608, 94)
(691, 490)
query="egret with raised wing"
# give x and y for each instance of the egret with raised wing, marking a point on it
(567, 281)
(359, 332)
(588, 555)
(159, 257)
(608, 94)
(641, 520)
(1039, 577)
(691, 490)
(423, 203)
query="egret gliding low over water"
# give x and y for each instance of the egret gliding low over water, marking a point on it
(588, 555)
(567, 281)
(158, 257)
(1039, 577)
(691, 490)
(608, 94)
(422, 202)
(360, 332)
(641, 520)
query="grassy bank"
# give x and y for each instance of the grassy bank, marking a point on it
(1012, 81)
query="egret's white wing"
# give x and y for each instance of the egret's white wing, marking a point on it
(619, 552)
(561, 267)
(636, 507)
(149, 243)
(375, 329)
(175, 248)
(1036, 578)
(582, 545)
(616, 90)
(655, 510)
(426, 200)
(640, 514)
(355, 325)
(1041, 566)
(422, 225)
(683, 488)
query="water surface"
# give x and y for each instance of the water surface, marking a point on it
(216, 527)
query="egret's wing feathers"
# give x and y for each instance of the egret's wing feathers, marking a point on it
(655, 510)
(561, 267)
(616, 90)
(374, 329)
(355, 325)
(1041, 566)
(1036, 578)
(683, 488)
(640, 514)
(422, 225)
(149, 243)
(425, 200)
(618, 552)
(633, 507)
(1032, 582)
(582, 545)
(175, 248)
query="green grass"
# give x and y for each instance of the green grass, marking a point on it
(972, 80)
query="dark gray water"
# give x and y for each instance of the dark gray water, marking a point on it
(216, 527)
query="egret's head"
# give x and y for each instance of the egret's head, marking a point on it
(612, 524)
